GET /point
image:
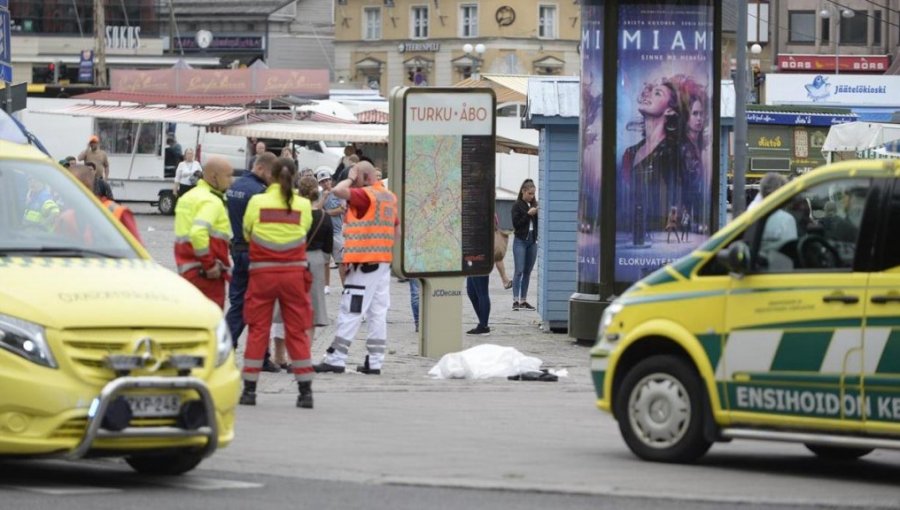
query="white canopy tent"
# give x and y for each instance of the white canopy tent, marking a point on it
(860, 136)
(309, 130)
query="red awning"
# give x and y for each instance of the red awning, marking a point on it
(177, 99)
(195, 116)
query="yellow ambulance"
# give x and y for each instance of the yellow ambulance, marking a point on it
(784, 326)
(103, 352)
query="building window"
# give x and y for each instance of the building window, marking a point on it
(876, 27)
(468, 20)
(547, 22)
(419, 22)
(826, 31)
(855, 30)
(372, 23)
(802, 27)
(758, 21)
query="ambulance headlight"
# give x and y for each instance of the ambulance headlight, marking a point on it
(606, 320)
(223, 343)
(26, 339)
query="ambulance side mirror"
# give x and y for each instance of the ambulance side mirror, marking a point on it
(735, 258)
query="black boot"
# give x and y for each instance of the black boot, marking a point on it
(305, 399)
(248, 396)
(364, 368)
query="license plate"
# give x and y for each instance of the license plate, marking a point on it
(152, 406)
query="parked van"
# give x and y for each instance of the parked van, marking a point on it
(104, 351)
(138, 167)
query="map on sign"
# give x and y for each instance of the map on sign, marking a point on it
(448, 182)
(434, 181)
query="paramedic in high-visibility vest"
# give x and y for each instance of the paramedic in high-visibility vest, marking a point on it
(41, 211)
(370, 228)
(275, 227)
(203, 233)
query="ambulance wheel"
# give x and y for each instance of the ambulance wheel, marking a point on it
(660, 407)
(166, 203)
(166, 463)
(837, 452)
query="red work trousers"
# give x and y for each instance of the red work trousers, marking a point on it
(213, 289)
(290, 287)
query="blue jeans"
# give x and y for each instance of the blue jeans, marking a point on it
(414, 289)
(477, 289)
(524, 254)
(240, 275)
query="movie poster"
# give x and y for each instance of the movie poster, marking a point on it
(588, 247)
(664, 134)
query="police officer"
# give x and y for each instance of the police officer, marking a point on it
(369, 232)
(275, 226)
(203, 233)
(239, 195)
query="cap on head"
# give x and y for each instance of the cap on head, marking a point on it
(323, 173)
(94, 139)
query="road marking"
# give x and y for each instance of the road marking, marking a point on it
(204, 484)
(187, 483)
(64, 490)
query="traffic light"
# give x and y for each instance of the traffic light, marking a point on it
(55, 69)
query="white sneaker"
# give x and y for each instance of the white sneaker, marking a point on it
(327, 290)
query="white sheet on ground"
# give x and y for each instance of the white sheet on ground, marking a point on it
(484, 361)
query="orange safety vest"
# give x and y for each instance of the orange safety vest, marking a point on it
(114, 208)
(370, 238)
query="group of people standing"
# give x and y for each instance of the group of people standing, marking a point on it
(270, 234)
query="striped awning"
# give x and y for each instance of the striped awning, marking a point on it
(194, 116)
(374, 116)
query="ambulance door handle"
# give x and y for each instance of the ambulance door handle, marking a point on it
(890, 298)
(841, 298)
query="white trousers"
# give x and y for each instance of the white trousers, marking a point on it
(365, 295)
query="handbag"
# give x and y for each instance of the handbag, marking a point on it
(309, 238)
(501, 242)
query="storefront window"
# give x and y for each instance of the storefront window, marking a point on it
(77, 16)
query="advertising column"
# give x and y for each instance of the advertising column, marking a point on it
(664, 146)
(586, 302)
(649, 100)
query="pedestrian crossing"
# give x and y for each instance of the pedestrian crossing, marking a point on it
(186, 482)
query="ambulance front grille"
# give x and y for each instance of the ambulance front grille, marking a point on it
(88, 349)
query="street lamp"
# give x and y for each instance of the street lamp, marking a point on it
(479, 50)
(845, 13)
(755, 69)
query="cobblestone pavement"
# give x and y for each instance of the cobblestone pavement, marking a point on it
(405, 369)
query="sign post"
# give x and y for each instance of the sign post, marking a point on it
(442, 164)
(5, 49)
(5, 52)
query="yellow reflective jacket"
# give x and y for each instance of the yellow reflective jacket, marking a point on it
(202, 229)
(276, 234)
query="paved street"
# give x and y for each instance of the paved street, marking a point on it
(403, 440)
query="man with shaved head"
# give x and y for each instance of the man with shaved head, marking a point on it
(369, 232)
(203, 232)
(88, 176)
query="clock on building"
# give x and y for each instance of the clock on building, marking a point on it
(505, 16)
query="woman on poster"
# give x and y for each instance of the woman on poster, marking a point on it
(694, 103)
(652, 169)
